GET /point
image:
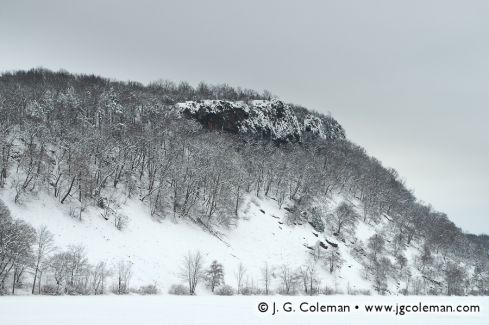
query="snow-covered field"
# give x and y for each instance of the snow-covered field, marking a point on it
(214, 310)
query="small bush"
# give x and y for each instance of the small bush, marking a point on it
(179, 290)
(74, 212)
(151, 289)
(291, 292)
(328, 291)
(261, 292)
(248, 291)
(77, 290)
(114, 288)
(360, 292)
(224, 290)
(49, 290)
(313, 291)
(120, 221)
(316, 220)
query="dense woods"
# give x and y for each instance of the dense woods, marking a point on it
(89, 141)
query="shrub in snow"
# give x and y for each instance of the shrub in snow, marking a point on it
(433, 291)
(260, 292)
(123, 276)
(179, 290)
(74, 213)
(49, 290)
(120, 221)
(360, 292)
(284, 292)
(328, 291)
(316, 220)
(224, 290)
(150, 289)
(80, 289)
(247, 291)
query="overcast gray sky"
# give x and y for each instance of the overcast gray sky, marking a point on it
(407, 79)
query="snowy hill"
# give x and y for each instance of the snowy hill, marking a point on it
(142, 175)
(156, 248)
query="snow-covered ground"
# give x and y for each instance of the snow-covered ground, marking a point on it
(214, 310)
(156, 248)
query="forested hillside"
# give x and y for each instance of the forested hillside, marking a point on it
(198, 155)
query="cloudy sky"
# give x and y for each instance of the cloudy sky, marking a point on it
(407, 79)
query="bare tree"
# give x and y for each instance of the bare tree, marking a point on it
(266, 277)
(381, 270)
(16, 240)
(99, 275)
(333, 259)
(44, 246)
(59, 264)
(77, 268)
(426, 259)
(344, 218)
(376, 244)
(288, 279)
(124, 274)
(455, 275)
(308, 275)
(192, 270)
(240, 274)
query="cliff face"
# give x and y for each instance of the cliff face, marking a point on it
(270, 119)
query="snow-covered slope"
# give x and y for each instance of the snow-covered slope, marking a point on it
(156, 248)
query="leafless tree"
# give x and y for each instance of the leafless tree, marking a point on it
(344, 219)
(99, 275)
(266, 277)
(455, 276)
(124, 274)
(192, 270)
(308, 275)
(60, 263)
(44, 246)
(16, 240)
(334, 260)
(288, 279)
(240, 274)
(376, 244)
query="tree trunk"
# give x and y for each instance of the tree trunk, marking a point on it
(34, 281)
(69, 190)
